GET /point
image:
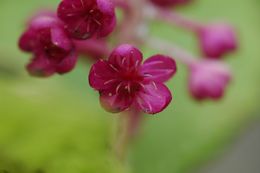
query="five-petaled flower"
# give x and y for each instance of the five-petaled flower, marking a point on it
(209, 79)
(124, 82)
(53, 51)
(217, 40)
(87, 18)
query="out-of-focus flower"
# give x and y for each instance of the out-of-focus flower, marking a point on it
(92, 48)
(124, 82)
(87, 18)
(170, 3)
(217, 40)
(53, 51)
(208, 79)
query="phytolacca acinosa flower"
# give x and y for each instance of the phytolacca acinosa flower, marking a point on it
(217, 39)
(208, 79)
(124, 82)
(170, 3)
(87, 18)
(53, 51)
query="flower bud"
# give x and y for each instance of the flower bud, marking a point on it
(217, 40)
(53, 51)
(208, 79)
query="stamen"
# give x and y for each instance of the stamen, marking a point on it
(118, 87)
(136, 64)
(95, 20)
(127, 87)
(147, 75)
(155, 87)
(109, 81)
(142, 85)
(73, 6)
(123, 60)
(82, 3)
(113, 67)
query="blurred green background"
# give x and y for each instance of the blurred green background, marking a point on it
(56, 125)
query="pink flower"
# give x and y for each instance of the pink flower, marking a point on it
(170, 3)
(217, 40)
(124, 82)
(209, 79)
(87, 18)
(53, 51)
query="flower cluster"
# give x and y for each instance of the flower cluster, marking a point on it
(123, 80)
(55, 39)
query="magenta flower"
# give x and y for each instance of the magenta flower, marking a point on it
(217, 39)
(53, 51)
(124, 82)
(170, 3)
(87, 18)
(209, 79)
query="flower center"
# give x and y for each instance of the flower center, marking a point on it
(52, 51)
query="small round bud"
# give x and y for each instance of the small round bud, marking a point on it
(217, 40)
(208, 79)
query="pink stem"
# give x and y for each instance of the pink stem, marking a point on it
(133, 18)
(97, 49)
(172, 18)
(172, 49)
(129, 125)
(122, 4)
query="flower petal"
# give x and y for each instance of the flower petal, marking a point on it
(42, 22)
(27, 41)
(60, 39)
(102, 75)
(67, 64)
(40, 66)
(154, 98)
(115, 102)
(126, 57)
(107, 7)
(159, 68)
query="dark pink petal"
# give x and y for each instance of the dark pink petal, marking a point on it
(42, 12)
(67, 64)
(102, 75)
(109, 20)
(126, 57)
(115, 102)
(43, 22)
(154, 98)
(41, 67)
(27, 41)
(159, 68)
(60, 39)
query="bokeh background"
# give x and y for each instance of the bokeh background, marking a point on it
(56, 125)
